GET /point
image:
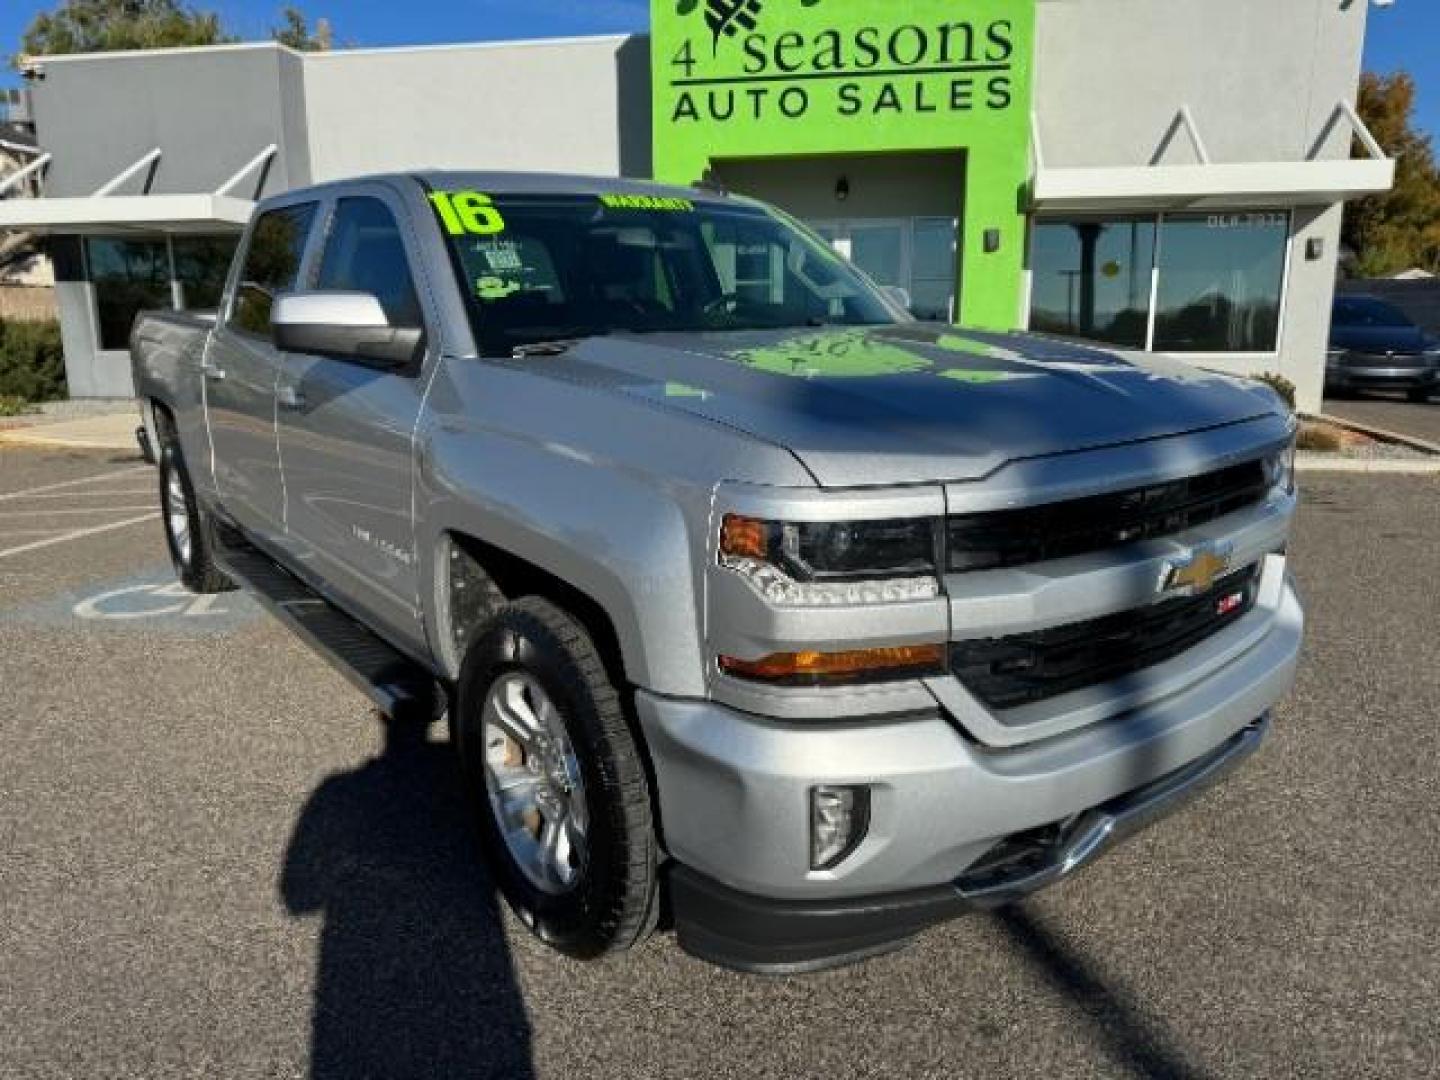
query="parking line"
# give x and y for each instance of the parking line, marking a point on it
(73, 483)
(105, 492)
(5, 515)
(78, 534)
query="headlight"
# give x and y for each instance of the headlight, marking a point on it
(1280, 469)
(818, 564)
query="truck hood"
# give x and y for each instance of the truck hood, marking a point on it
(912, 403)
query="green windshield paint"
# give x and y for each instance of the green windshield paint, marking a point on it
(494, 288)
(830, 355)
(982, 378)
(467, 213)
(956, 343)
(647, 202)
(786, 79)
(679, 390)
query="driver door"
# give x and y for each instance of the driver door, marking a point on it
(345, 429)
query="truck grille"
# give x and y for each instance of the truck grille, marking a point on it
(1054, 530)
(1025, 668)
(1386, 360)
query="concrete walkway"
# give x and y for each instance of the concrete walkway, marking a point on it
(108, 431)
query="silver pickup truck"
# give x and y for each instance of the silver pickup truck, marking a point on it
(754, 604)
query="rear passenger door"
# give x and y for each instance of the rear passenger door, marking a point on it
(345, 428)
(240, 369)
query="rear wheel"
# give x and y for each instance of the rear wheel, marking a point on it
(187, 528)
(557, 782)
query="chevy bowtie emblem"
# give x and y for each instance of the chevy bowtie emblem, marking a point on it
(1199, 571)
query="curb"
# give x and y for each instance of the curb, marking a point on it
(1424, 446)
(1310, 462)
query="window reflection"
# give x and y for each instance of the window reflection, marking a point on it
(129, 276)
(1220, 281)
(272, 265)
(1092, 279)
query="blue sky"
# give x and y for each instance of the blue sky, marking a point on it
(1404, 35)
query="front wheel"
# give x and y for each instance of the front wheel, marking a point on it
(187, 531)
(557, 782)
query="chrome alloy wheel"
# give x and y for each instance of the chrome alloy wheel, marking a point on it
(177, 518)
(533, 780)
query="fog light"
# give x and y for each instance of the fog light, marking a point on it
(839, 820)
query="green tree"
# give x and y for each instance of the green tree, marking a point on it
(1401, 228)
(297, 34)
(79, 26)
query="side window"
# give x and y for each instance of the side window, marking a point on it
(364, 253)
(272, 264)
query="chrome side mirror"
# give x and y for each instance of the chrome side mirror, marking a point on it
(351, 325)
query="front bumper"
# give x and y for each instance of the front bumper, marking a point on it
(734, 787)
(766, 936)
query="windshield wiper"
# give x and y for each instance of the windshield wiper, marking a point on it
(565, 340)
(544, 348)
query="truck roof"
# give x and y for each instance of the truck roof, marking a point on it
(531, 183)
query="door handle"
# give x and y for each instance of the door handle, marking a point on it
(211, 372)
(290, 398)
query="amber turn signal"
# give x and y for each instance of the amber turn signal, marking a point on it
(744, 537)
(858, 665)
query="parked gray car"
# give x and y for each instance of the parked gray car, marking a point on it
(740, 588)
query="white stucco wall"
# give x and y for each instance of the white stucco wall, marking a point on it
(544, 106)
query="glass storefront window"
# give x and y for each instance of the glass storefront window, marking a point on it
(1219, 279)
(129, 276)
(134, 275)
(1092, 279)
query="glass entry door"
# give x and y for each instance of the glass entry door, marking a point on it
(916, 254)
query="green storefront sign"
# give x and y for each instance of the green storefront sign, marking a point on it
(745, 79)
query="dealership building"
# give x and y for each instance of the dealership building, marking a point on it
(1156, 175)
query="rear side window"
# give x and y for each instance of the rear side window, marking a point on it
(272, 265)
(365, 253)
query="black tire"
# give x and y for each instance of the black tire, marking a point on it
(194, 567)
(613, 904)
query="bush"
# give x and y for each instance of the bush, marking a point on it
(10, 405)
(1326, 440)
(32, 364)
(1281, 385)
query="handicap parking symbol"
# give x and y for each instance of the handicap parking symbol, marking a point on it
(151, 601)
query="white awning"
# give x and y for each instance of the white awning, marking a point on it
(1252, 184)
(104, 211)
(1207, 184)
(100, 214)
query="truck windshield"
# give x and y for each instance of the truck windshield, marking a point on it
(542, 268)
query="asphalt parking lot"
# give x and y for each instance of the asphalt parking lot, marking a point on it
(213, 861)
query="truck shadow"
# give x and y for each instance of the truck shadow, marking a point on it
(1139, 1045)
(414, 976)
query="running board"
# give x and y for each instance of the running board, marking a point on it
(398, 686)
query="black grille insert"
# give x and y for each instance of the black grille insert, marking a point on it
(1025, 668)
(1002, 538)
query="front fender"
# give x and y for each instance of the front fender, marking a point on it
(610, 496)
